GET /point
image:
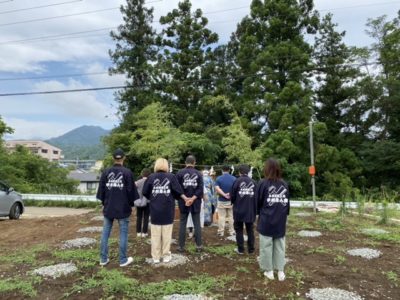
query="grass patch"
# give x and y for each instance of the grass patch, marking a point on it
(339, 259)
(69, 204)
(114, 282)
(24, 287)
(84, 257)
(25, 256)
(225, 250)
(392, 277)
(242, 269)
(319, 250)
(297, 276)
(331, 225)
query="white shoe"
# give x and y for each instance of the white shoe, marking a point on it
(128, 262)
(145, 235)
(167, 258)
(269, 275)
(156, 261)
(190, 235)
(139, 234)
(281, 276)
(104, 263)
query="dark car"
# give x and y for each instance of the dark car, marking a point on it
(11, 204)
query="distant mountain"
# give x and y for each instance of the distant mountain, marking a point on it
(84, 142)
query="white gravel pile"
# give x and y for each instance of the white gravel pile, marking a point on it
(373, 231)
(91, 229)
(186, 297)
(365, 253)
(98, 218)
(78, 243)
(56, 271)
(332, 294)
(307, 233)
(233, 238)
(176, 260)
(303, 214)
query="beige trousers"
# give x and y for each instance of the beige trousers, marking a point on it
(225, 213)
(161, 236)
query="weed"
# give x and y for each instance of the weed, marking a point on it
(354, 270)
(331, 225)
(25, 287)
(24, 256)
(292, 296)
(70, 204)
(115, 282)
(319, 250)
(298, 276)
(242, 269)
(85, 258)
(392, 277)
(339, 259)
(225, 250)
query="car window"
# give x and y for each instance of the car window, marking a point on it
(3, 187)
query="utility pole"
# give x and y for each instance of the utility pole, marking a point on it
(312, 167)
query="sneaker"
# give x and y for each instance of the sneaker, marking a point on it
(139, 234)
(239, 252)
(145, 235)
(156, 261)
(281, 276)
(269, 275)
(190, 235)
(128, 262)
(167, 258)
(199, 249)
(181, 250)
(104, 263)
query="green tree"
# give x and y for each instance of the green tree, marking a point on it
(183, 64)
(134, 54)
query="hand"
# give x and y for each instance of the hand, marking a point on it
(228, 196)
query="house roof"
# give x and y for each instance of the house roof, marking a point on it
(83, 176)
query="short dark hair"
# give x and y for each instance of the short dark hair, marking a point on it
(226, 168)
(244, 169)
(190, 160)
(272, 170)
(146, 172)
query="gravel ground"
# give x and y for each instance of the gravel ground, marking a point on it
(98, 218)
(176, 260)
(56, 271)
(303, 214)
(332, 294)
(365, 253)
(186, 297)
(374, 231)
(78, 243)
(91, 229)
(307, 233)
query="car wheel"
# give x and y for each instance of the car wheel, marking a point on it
(15, 211)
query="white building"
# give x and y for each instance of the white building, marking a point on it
(40, 148)
(88, 181)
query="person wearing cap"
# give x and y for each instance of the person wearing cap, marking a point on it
(191, 182)
(162, 188)
(244, 208)
(223, 186)
(117, 193)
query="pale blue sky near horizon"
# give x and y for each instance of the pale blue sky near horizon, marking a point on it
(46, 116)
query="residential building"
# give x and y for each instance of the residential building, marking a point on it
(40, 148)
(88, 181)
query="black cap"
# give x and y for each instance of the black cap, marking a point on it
(118, 154)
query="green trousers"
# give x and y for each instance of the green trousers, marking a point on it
(272, 253)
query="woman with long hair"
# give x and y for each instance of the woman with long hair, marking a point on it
(273, 208)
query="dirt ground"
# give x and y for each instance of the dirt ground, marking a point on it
(314, 262)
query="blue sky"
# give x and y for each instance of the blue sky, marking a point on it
(46, 116)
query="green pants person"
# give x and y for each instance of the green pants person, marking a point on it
(272, 256)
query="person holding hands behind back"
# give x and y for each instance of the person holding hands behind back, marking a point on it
(162, 188)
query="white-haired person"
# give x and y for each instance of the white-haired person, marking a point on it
(162, 188)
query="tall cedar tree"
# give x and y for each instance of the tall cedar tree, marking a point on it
(135, 50)
(184, 62)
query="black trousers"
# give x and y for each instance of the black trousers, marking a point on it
(239, 236)
(182, 229)
(142, 218)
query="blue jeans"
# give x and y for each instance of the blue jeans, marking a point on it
(123, 239)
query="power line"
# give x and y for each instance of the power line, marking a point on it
(5, 1)
(182, 81)
(37, 7)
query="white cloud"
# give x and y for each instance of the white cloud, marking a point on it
(25, 130)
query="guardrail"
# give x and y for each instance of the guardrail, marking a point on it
(92, 198)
